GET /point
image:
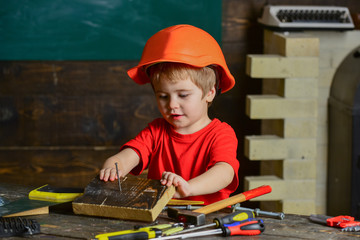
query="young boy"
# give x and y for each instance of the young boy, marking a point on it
(184, 148)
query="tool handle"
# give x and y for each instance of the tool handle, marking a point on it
(256, 192)
(349, 224)
(336, 221)
(140, 234)
(241, 197)
(234, 217)
(124, 236)
(249, 228)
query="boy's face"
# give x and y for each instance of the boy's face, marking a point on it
(182, 104)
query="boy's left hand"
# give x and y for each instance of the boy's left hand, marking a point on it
(182, 186)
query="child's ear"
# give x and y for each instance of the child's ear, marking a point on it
(211, 95)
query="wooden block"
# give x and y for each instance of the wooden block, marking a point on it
(337, 39)
(272, 167)
(141, 199)
(301, 148)
(300, 189)
(332, 57)
(300, 206)
(300, 127)
(265, 147)
(276, 66)
(276, 107)
(326, 75)
(299, 169)
(291, 87)
(291, 44)
(272, 147)
(283, 189)
(273, 127)
(277, 184)
(290, 127)
(300, 88)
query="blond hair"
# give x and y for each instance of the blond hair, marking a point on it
(204, 78)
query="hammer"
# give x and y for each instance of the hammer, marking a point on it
(197, 217)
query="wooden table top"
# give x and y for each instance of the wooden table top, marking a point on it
(62, 223)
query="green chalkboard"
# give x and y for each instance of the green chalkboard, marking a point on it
(95, 29)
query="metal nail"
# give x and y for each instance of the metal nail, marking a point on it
(117, 174)
(258, 212)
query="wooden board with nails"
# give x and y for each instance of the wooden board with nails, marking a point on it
(139, 199)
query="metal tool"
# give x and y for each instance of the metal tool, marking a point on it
(117, 174)
(258, 212)
(341, 221)
(148, 232)
(187, 207)
(18, 227)
(246, 228)
(3, 201)
(351, 229)
(220, 222)
(197, 217)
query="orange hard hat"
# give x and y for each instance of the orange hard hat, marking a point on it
(183, 44)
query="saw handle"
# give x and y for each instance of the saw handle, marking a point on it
(242, 197)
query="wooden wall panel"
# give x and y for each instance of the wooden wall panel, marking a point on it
(68, 78)
(71, 104)
(74, 121)
(53, 114)
(72, 167)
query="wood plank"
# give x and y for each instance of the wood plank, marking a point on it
(73, 121)
(56, 166)
(68, 78)
(78, 102)
(139, 199)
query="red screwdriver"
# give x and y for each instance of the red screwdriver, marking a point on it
(248, 228)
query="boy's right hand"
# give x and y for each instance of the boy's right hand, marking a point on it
(126, 159)
(107, 174)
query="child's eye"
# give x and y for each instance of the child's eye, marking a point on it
(162, 96)
(183, 95)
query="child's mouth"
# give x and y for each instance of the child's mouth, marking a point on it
(176, 116)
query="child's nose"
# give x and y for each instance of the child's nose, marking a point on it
(173, 103)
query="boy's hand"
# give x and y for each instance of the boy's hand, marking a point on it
(182, 186)
(127, 159)
(107, 174)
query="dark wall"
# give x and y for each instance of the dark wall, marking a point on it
(59, 120)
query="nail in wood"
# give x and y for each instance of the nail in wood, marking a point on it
(117, 174)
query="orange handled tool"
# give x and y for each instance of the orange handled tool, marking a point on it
(241, 197)
(197, 217)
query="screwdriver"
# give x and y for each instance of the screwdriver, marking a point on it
(220, 222)
(246, 228)
(138, 234)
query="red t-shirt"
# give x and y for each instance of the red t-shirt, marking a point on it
(161, 149)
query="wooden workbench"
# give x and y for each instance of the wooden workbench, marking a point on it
(61, 223)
